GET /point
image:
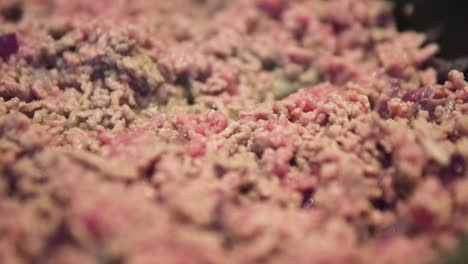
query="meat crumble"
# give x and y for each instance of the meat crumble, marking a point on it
(216, 131)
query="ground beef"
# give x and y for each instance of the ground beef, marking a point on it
(247, 131)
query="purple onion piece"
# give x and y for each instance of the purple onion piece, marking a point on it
(382, 109)
(418, 95)
(431, 104)
(423, 218)
(307, 199)
(390, 91)
(8, 45)
(274, 8)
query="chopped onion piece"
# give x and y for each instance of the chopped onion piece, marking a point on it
(8, 45)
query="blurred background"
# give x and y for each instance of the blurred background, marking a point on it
(446, 22)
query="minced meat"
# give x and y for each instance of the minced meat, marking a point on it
(215, 131)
